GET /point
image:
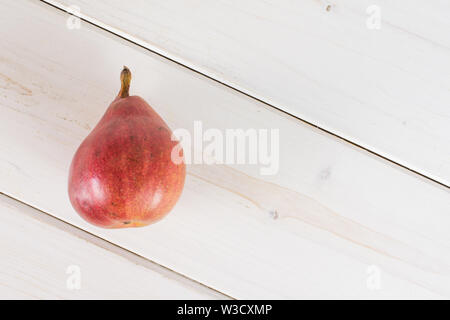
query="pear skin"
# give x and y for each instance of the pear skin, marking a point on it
(122, 174)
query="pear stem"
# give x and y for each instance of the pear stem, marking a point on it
(125, 79)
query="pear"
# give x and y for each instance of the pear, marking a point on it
(123, 174)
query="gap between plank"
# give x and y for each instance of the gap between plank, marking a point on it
(125, 36)
(119, 250)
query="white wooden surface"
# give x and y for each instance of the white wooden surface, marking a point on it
(39, 255)
(386, 89)
(340, 209)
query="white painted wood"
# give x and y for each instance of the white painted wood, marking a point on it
(43, 258)
(386, 89)
(340, 210)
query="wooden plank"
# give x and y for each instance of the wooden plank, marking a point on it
(44, 258)
(386, 90)
(315, 229)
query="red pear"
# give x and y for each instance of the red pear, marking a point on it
(123, 174)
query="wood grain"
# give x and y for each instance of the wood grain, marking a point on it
(312, 230)
(386, 90)
(39, 254)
